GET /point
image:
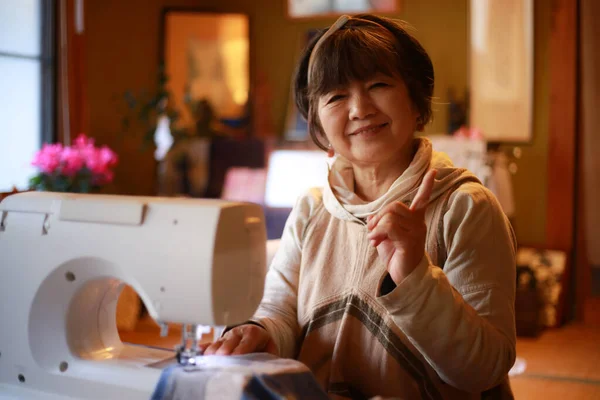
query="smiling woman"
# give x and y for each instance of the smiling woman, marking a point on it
(402, 263)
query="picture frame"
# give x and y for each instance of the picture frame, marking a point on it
(308, 9)
(501, 66)
(206, 56)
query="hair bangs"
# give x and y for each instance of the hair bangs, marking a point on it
(353, 55)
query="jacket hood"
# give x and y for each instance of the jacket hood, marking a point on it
(341, 201)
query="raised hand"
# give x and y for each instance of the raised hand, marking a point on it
(242, 339)
(399, 232)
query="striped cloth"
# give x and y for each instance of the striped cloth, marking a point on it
(250, 376)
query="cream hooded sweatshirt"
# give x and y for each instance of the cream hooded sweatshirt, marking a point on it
(446, 331)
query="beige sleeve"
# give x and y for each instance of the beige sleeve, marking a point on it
(462, 319)
(277, 312)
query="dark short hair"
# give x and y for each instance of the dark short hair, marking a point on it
(364, 46)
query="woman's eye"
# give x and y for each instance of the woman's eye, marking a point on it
(378, 85)
(335, 98)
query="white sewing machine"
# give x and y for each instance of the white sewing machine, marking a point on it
(64, 259)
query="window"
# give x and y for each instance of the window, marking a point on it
(26, 86)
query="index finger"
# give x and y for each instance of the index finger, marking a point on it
(395, 206)
(422, 197)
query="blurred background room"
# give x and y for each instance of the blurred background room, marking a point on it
(193, 98)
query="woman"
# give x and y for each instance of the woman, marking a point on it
(398, 277)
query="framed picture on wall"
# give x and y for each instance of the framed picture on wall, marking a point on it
(501, 69)
(206, 58)
(332, 8)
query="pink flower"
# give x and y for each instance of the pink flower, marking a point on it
(108, 156)
(99, 160)
(48, 158)
(93, 161)
(83, 141)
(476, 133)
(468, 133)
(72, 161)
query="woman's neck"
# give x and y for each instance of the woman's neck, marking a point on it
(374, 180)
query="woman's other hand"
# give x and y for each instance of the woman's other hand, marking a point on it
(242, 339)
(398, 232)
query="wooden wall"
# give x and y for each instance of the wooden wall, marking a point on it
(531, 180)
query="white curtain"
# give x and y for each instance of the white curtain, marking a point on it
(590, 124)
(20, 85)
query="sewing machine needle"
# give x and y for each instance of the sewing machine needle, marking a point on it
(164, 329)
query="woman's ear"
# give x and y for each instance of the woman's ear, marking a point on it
(420, 124)
(330, 151)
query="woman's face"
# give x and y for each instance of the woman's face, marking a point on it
(369, 122)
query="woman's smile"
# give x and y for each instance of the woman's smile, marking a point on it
(368, 130)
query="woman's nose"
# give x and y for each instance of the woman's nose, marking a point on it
(361, 107)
